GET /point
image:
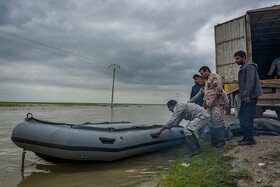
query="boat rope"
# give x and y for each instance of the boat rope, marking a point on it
(22, 159)
(88, 125)
(30, 117)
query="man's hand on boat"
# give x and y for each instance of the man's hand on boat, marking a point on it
(158, 133)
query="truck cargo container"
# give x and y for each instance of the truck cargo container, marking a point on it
(258, 34)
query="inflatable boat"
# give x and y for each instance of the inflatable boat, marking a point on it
(106, 141)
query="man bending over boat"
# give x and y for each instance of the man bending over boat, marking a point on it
(197, 116)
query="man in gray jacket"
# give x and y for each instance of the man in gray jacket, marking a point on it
(249, 90)
(197, 116)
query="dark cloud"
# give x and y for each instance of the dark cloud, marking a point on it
(157, 43)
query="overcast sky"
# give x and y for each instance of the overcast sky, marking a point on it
(60, 51)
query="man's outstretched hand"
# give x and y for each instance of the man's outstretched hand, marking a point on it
(156, 134)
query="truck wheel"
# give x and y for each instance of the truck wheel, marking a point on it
(236, 103)
(259, 112)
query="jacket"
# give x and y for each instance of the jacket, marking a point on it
(214, 86)
(248, 81)
(195, 90)
(200, 94)
(188, 111)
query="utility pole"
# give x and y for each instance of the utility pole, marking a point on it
(177, 97)
(114, 66)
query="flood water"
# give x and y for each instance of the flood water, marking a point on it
(134, 171)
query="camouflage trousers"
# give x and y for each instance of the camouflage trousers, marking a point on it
(274, 66)
(195, 124)
(217, 116)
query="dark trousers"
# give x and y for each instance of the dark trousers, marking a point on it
(246, 116)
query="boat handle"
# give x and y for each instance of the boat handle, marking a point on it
(107, 140)
(29, 115)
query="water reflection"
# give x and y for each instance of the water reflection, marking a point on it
(112, 114)
(133, 171)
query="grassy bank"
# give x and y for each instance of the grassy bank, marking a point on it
(210, 168)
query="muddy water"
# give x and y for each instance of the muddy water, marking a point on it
(134, 171)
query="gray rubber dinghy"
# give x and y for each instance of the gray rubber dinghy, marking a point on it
(106, 141)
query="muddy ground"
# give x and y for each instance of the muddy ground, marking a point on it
(261, 160)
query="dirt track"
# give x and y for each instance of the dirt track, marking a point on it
(261, 160)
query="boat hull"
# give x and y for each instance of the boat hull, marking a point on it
(92, 141)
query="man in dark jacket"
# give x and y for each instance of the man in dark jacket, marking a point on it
(249, 90)
(195, 89)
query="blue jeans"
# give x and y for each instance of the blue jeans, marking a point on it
(246, 116)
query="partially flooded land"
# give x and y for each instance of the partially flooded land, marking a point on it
(33, 104)
(230, 166)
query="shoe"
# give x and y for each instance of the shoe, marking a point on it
(190, 155)
(220, 145)
(247, 142)
(211, 144)
(242, 140)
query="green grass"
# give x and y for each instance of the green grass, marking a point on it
(209, 168)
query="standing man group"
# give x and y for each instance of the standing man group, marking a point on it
(249, 90)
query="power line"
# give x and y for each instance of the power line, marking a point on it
(131, 74)
(40, 45)
(23, 44)
(55, 48)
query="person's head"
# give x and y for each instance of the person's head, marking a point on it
(196, 78)
(240, 57)
(202, 82)
(205, 72)
(171, 104)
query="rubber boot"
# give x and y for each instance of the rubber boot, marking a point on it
(192, 150)
(213, 137)
(200, 132)
(196, 141)
(220, 137)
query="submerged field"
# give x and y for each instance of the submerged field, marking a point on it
(30, 104)
(34, 104)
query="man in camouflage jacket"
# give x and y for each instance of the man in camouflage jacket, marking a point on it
(215, 105)
(197, 117)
